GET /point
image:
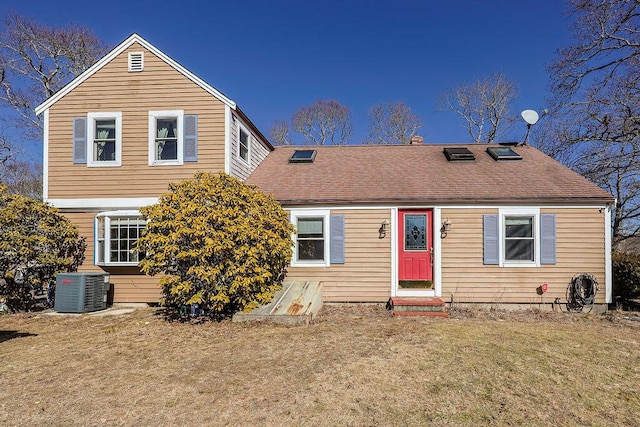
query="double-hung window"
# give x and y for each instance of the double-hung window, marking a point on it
(104, 139)
(244, 143)
(166, 137)
(116, 235)
(311, 240)
(519, 238)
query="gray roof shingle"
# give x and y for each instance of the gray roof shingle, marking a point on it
(405, 174)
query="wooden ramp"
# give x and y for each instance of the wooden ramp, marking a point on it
(297, 303)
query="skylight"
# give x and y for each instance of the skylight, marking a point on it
(503, 153)
(458, 154)
(303, 156)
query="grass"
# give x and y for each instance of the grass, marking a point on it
(354, 366)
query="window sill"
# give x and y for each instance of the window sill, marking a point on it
(118, 264)
(166, 163)
(104, 165)
(509, 264)
(308, 264)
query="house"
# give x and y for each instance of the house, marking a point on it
(116, 135)
(465, 223)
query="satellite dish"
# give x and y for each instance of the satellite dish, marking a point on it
(530, 116)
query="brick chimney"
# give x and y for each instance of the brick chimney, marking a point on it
(416, 140)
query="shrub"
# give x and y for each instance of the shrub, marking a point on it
(36, 243)
(626, 276)
(220, 243)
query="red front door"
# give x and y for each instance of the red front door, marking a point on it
(415, 248)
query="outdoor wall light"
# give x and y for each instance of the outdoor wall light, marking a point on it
(382, 231)
(446, 226)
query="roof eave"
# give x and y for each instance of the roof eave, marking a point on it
(244, 117)
(589, 201)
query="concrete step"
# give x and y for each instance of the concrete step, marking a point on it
(443, 314)
(417, 306)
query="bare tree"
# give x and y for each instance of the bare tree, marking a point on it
(22, 178)
(279, 133)
(6, 149)
(324, 122)
(36, 61)
(596, 87)
(484, 105)
(392, 123)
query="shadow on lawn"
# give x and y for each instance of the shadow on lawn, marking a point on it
(9, 335)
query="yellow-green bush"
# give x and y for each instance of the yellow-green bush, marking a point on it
(220, 243)
(36, 242)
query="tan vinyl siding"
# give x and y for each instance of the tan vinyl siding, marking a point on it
(257, 151)
(114, 89)
(580, 245)
(128, 283)
(366, 274)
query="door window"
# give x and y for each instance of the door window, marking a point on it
(415, 232)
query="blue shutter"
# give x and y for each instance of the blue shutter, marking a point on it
(337, 239)
(547, 239)
(491, 243)
(80, 140)
(190, 153)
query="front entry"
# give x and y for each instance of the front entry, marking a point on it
(415, 249)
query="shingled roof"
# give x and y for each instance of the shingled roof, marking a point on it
(421, 174)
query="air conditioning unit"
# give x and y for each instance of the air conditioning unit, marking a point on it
(81, 292)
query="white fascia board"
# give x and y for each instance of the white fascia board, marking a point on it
(439, 206)
(134, 38)
(132, 203)
(227, 140)
(608, 272)
(394, 252)
(567, 206)
(45, 155)
(437, 252)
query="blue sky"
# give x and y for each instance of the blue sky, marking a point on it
(272, 57)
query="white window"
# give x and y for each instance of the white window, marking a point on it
(244, 143)
(311, 242)
(519, 238)
(519, 231)
(104, 139)
(116, 234)
(166, 137)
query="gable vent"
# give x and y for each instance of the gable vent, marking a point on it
(136, 61)
(458, 154)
